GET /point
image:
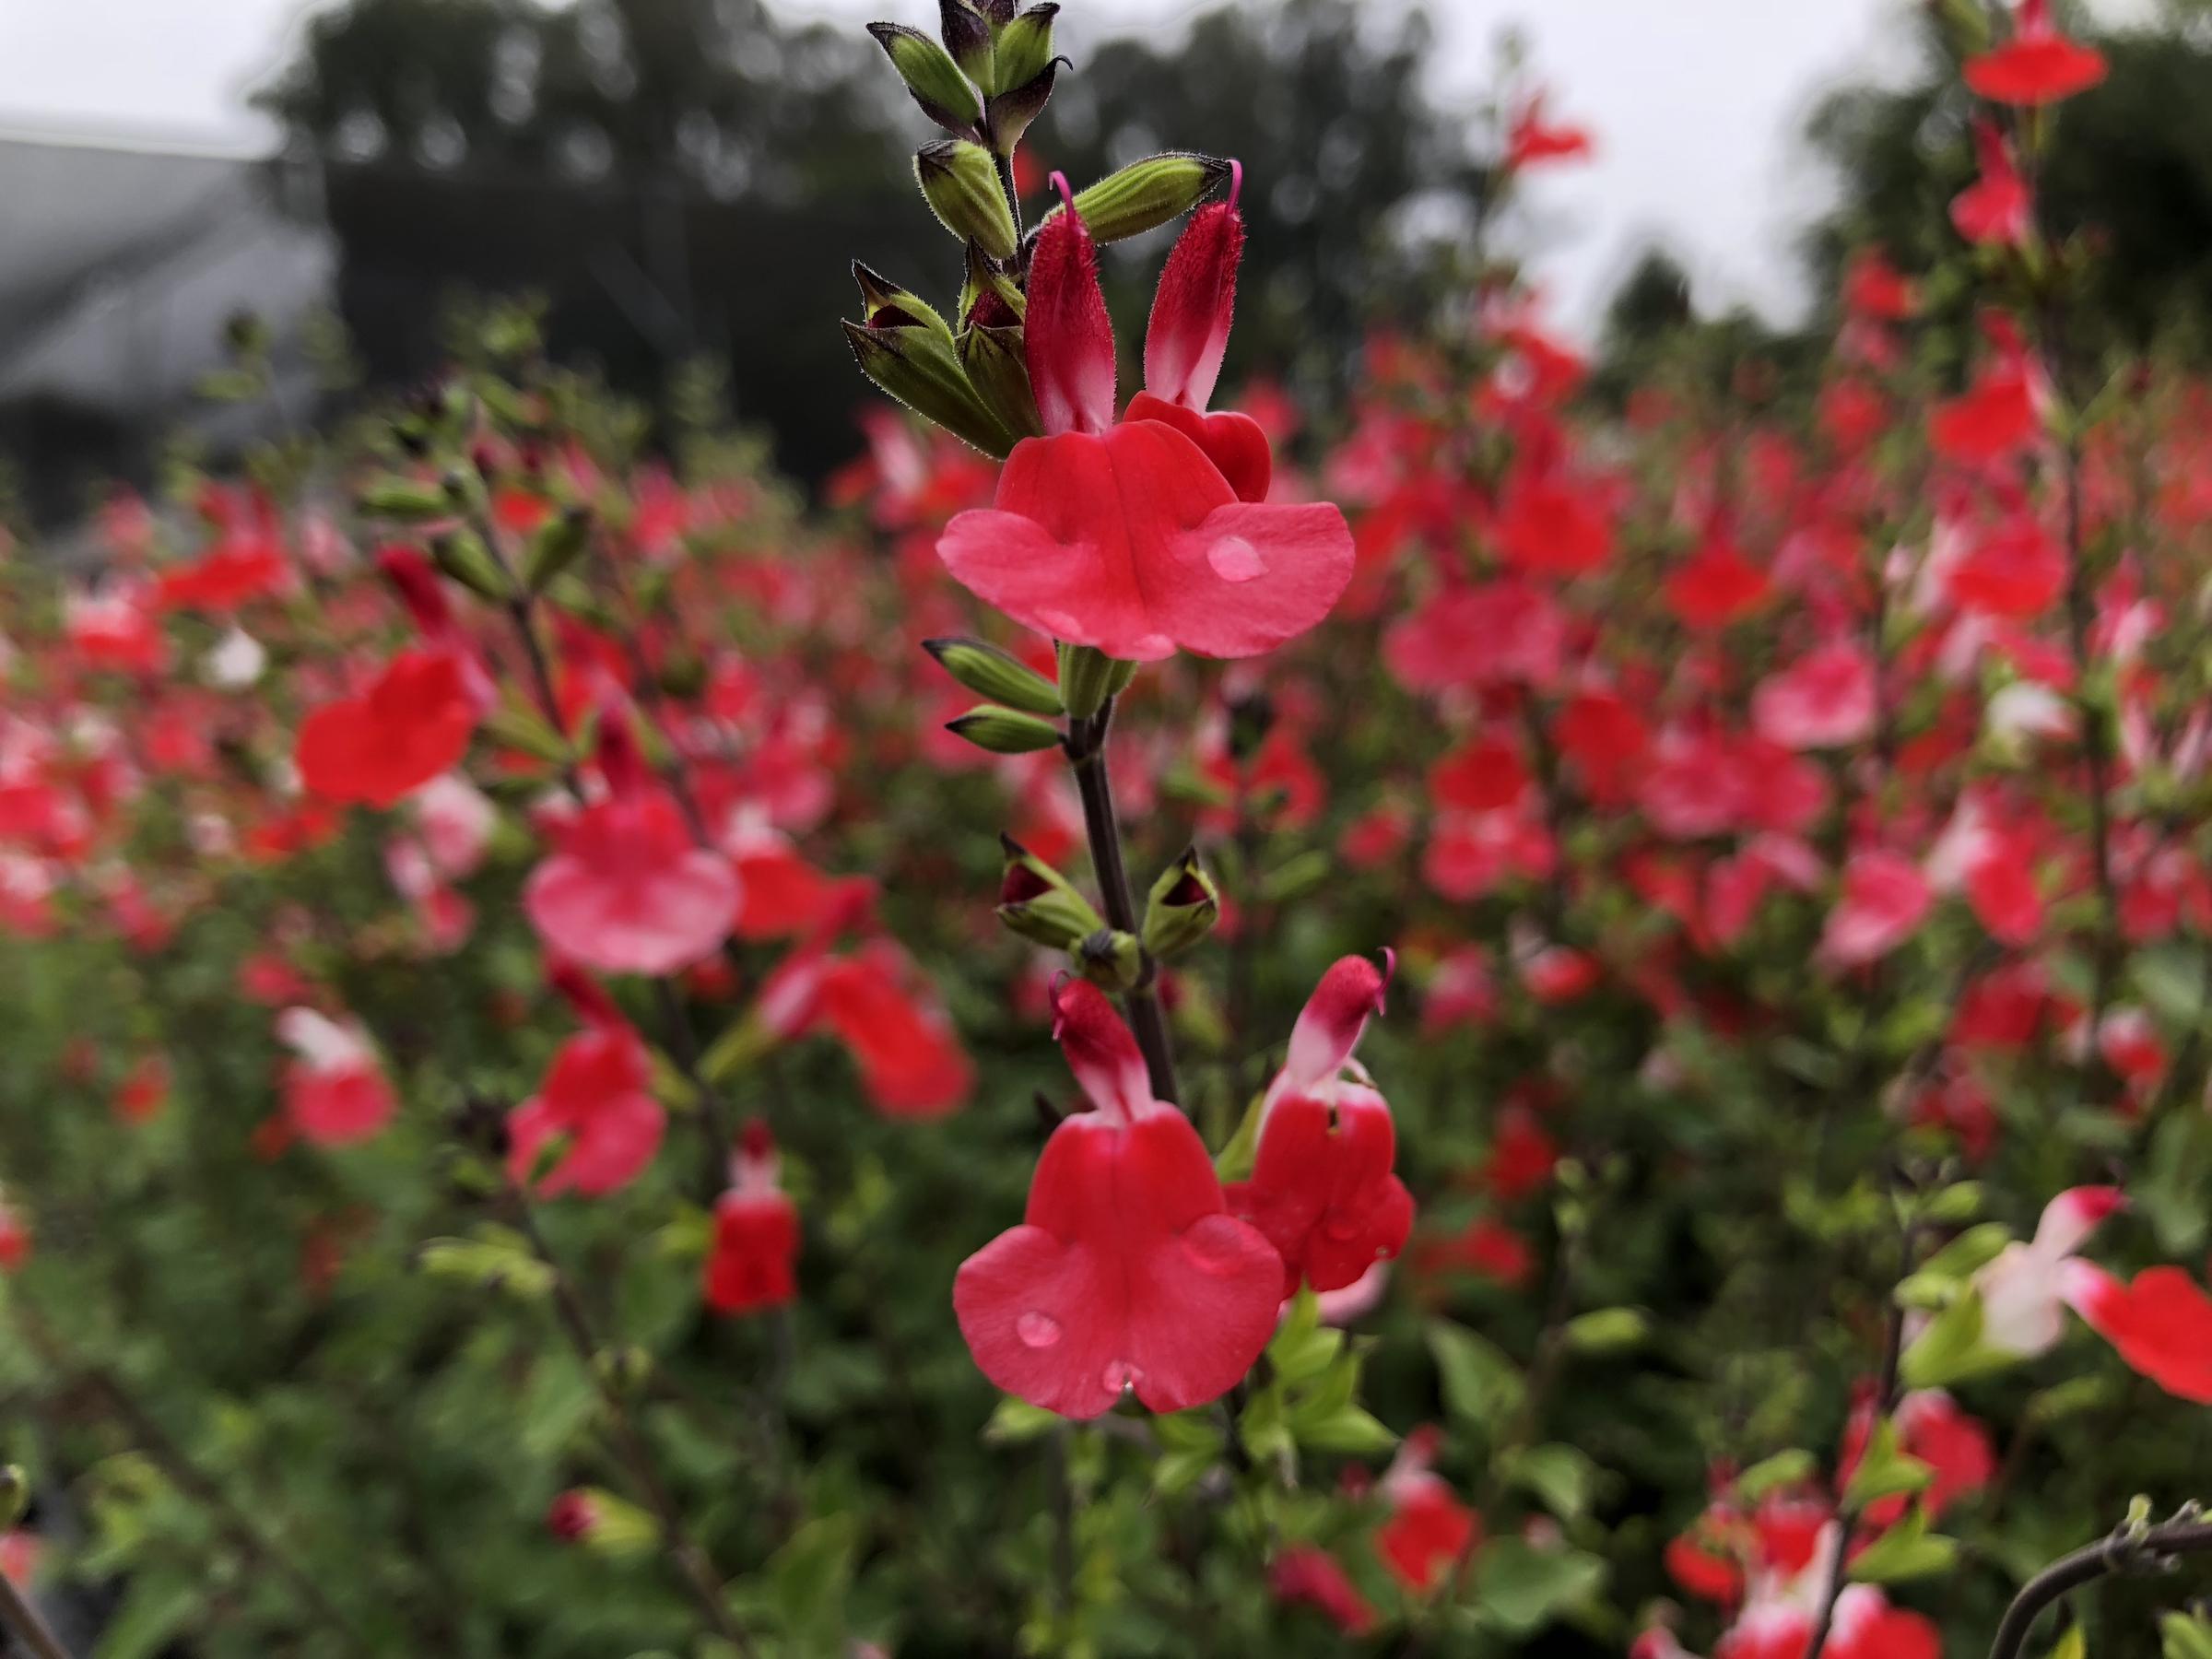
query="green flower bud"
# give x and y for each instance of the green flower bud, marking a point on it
(967, 34)
(1184, 906)
(1086, 678)
(995, 674)
(945, 94)
(463, 556)
(917, 366)
(411, 499)
(1025, 48)
(984, 283)
(1004, 731)
(999, 372)
(14, 1495)
(556, 544)
(1111, 961)
(1146, 195)
(1008, 115)
(960, 180)
(1038, 902)
(883, 304)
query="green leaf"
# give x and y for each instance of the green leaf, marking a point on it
(808, 1575)
(1017, 1420)
(1563, 1476)
(2074, 1644)
(1885, 1471)
(2177, 1196)
(1770, 1474)
(1520, 1588)
(1304, 1347)
(1907, 1550)
(1480, 1384)
(1607, 1331)
(1950, 1349)
(2180, 1636)
(1350, 1429)
(153, 1614)
(1968, 1253)
(1235, 1160)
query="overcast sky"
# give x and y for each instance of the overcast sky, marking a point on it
(1695, 103)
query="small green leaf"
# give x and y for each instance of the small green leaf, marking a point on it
(1480, 1384)
(1520, 1588)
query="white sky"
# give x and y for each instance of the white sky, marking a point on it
(1695, 104)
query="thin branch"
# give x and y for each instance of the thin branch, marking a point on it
(2153, 1549)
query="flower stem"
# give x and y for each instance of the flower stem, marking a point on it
(2156, 1546)
(20, 1620)
(691, 1563)
(1086, 748)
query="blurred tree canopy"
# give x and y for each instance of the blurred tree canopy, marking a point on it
(2131, 165)
(680, 177)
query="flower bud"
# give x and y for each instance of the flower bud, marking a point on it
(556, 544)
(1146, 195)
(943, 93)
(988, 295)
(996, 367)
(1038, 902)
(409, 498)
(1184, 906)
(883, 304)
(1025, 50)
(1008, 115)
(918, 367)
(967, 34)
(1004, 731)
(14, 1495)
(997, 675)
(464, 557)
(1086, 678)
(1111, 961)
(960, 183)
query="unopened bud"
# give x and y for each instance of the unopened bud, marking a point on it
(988, 295)
(1007, 116)
(556, 544)
(945, 95)
(1038, 902)
(997, 675)
(1184, 906)
(997, 366)
(886, 305)
(917, 366)
(967, 34)
(408, 499)
(1004, 731)
(573, 1515)
(14, 1495)
(463, 556)
(1111, 961)
(1146, 195)
(960, 183)
(1025, 48)
(1086, 678)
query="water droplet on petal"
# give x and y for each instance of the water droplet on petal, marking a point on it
(1235, 560)
(1036, 1330)
(1059, 623)
(1215, 1249)
(1121, 1374)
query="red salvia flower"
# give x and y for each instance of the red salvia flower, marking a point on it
(755, 1232)
(1185, 340)
(2161, 1324)
(14, 1239)
(1322, 1190)
(1127, 536)
(1531, 138)
(1994, 210)
(334, 1091)
(1126, 1272)
(1304, 1575)
(2038, 64)
(412, 722)
(1429, 1530)
(1884, 900)
(625, 890)
(597, 1096)
(144, 1090)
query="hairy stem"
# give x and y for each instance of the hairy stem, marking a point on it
(1086, 748)
(20, 1620)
